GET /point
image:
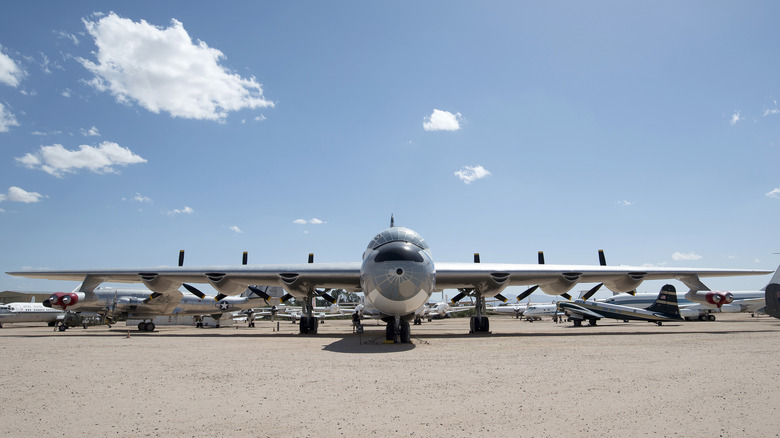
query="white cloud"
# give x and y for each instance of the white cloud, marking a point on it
(735, 118)
(16, 194)
(161, 69)
(91, 132)
(10, 72)
(67, 92)
(236, 229)
(774, 193)
(470, 174)
(7, 119)
(772, 110)
(140, 198)
(442, 121)
(312, 221)
(678, 256)
(624, 203)
(185, 210)
(67, 36)
(56, 160)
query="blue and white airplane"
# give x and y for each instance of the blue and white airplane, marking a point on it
(663, 309)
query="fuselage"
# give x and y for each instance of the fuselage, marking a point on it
(397, 275)
(28, 312)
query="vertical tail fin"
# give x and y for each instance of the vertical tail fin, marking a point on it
(666, 301)
(772, 298)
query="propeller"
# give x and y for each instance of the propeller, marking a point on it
(567, 296)
(285, 297)
(463, 293)
(541, 257)
(602, 259)
(324, 295)
(527, 292)
(220, 297)
(151, 297)
(193, 290)
(244, 258)
(476, 257)
(590, 293)
(259, 292)
(181, 258)
(501, 297)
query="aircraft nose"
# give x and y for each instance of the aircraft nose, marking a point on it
(46, 303)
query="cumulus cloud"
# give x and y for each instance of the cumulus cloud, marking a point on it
(56, 160)
(469, 174)
(774, 193)
(91, 132)
(162, 69)
(772, 110)
(10, 72)
(624, 203)
(442, 121)
(139, 198)
(7, 119)
(735, 117)
(185, 210)
(678, 256)
(16, 194)
(236, 229)
(312, 221)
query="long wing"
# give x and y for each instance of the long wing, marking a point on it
(491, 278)
(298, 279)
(229, 280)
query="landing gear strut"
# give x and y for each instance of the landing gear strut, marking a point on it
(398, 331)
(309, 323)
(479, 323)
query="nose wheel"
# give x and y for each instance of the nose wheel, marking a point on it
(398, 331)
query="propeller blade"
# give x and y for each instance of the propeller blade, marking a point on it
(541, 257)
(567, 296)
(476, 257)
(245, 258)
(324, 295)
(193, 290)
(219, 297)
(528, 291)
(501, 297)
(590, 293)
(181, 258)
(602, 259)
(459, 296)
(151, 297)
(286, 297)
(311, 257)
(260, 293)
(632, 293)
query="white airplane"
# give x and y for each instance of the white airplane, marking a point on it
(536, 312)
(438, 310)
(29, 312)
(701, 304)
(397, 276)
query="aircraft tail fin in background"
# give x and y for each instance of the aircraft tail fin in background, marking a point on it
(772, 298)
(666, 301)
(775, 278)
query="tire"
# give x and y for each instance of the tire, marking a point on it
(484, 325)
(141, 326)
(592, 321)
(390, 331)
(314, 324)
(149, 326)
(710, 317)
(406, 332)
(63, 327)
(577, 323)
(304, 324)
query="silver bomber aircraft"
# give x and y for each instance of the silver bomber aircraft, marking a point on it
(397, 276)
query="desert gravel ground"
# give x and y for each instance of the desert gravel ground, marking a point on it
(531, 379)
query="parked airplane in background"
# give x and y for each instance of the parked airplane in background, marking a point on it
(772, 299)
(29, 312)
(113, 304)
(536, 312)
(397, 276)
(703, 303)
(664, 309)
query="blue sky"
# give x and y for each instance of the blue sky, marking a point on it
(131, 130)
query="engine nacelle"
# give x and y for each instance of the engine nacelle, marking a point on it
(708, 297)
(63, 300)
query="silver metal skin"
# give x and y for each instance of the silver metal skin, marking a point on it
(397, 275)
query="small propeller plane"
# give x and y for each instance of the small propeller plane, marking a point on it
(664, 309)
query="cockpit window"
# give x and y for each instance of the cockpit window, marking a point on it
(398, 251)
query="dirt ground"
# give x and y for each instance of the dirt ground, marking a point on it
(533, 379)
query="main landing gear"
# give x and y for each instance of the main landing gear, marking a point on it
(398, 331)
(309, 325)
(144, 326)
(479, 323)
